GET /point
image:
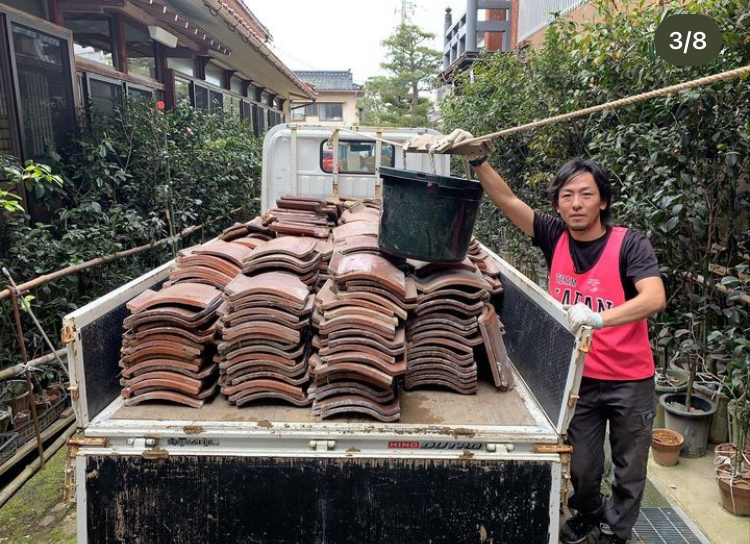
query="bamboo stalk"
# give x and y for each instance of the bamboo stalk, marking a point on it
(41, 280)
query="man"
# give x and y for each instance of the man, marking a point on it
(610, 279)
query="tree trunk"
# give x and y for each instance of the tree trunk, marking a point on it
(414, 97)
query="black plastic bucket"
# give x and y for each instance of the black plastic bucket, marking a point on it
(427, 217)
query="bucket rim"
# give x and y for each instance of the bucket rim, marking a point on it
(451, 182)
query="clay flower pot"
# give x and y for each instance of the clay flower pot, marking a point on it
(666, 445)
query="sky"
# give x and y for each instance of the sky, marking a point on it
(344, 34)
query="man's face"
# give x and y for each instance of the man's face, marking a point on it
(579, 203)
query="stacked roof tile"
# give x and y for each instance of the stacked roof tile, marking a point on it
(300, 306)
(263, 329)
(168, 351)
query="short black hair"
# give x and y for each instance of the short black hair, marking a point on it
(576, 166)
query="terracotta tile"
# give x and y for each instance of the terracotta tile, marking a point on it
(364, 266)
(357, 228)
(270, 395)
(451, 279)
(335, 389)
(357, 356)
(168, 396)
(234, 253)
(183, 385)
(347, 322)
(357, 244)
(296, 352)
(491, 331)
(194, 295)
(292, 246)
(396, 343)
(191, 370)
(392, 303)
(280, 284)
(352, 371)
(190, 335)
(158, 345)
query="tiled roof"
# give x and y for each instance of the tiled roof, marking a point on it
(329, 80)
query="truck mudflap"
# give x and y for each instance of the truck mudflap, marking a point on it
(191, 499)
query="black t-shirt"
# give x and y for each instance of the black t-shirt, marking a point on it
(637, 258)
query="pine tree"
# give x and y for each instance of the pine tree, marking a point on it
(394, 99)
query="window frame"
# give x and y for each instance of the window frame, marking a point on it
(353, 172)
(330, 119)
(10, 17)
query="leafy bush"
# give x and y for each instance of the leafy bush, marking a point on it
(128, 180)
(680, 165)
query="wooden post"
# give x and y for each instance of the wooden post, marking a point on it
(55, 12)
(121, 48)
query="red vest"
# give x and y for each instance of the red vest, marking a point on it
(617, 353)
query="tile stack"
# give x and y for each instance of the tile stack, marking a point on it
(359, 318)
(250, 233)
(492, 330)
(168, 350)
(444, 329)
(302, 216)
(264, 332)
(488, 267)
(297, 255)
(215, 263)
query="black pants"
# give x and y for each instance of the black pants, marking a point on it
(628, 406)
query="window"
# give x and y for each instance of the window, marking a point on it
(311, 110)
(139, 93)
(182, 90)
(355, 157)
(104, 96)
(183, 65)
(45, 89)
(200, 97)
(92, 37)
(235, 85)
(140, 48)
(247, 112)
(214, 74)
(298, 114)
(331, 111)
(217, 101)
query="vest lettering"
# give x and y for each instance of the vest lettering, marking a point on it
(617, 353)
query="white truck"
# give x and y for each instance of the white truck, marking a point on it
(490, 467)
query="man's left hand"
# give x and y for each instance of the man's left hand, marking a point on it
(580, 315)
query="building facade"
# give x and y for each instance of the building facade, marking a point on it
(336, 103)
(57, 56)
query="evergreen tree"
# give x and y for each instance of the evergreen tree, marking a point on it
(394, 99)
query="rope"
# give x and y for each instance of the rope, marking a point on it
(376, 138)
(708, 80)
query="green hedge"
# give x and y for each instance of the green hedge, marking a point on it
(129, 179)
(680, 165)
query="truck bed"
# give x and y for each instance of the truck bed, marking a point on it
(488, 407)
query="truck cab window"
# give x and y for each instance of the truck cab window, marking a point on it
(355, 157)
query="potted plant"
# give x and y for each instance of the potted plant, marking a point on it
(666, 379)
(733, 459)
(16, 395)
(687, 413)
(665, 446)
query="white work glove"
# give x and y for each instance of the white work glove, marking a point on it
(580, 315)
(450, 144)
